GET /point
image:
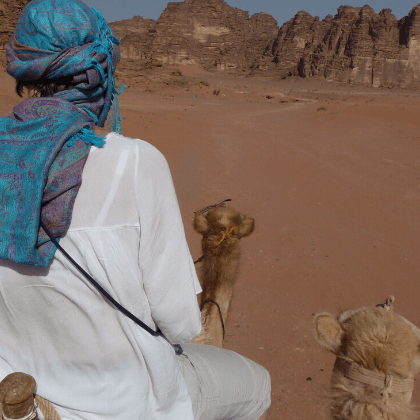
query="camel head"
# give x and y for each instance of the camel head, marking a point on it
(222, 228)
(377, 357)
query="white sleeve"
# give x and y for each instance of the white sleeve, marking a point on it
(169, 276)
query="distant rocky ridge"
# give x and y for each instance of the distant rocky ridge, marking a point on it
(356, 46)
(210, 34)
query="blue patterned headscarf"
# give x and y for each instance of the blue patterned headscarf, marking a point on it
(45, 142)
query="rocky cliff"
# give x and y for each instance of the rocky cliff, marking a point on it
(9, 14)
(356, 45)
(210, 34)
(137, 34)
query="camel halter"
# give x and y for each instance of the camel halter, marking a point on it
(388, 383)
(225, 234)
(351, 370)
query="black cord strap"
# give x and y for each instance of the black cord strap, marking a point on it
(220, 314)
(100, 288)
(199, 260)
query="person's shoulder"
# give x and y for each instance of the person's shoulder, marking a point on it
(145, 151)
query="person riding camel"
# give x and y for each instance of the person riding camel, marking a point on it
(122, 225)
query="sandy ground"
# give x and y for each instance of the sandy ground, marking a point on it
(331, 175)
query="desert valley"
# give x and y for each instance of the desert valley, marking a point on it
(313, 129)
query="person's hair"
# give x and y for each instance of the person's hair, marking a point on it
(44, 87)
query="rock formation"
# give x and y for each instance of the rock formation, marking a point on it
(357, 45)
(137, 35)
(126, 27)
(210, 34)
(9, 14)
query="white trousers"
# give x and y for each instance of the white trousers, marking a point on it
(223, 384)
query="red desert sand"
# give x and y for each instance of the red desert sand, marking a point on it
(331, 175)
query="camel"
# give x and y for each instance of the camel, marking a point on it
(222, 228)
(377, 357)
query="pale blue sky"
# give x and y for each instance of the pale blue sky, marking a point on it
(280, 9)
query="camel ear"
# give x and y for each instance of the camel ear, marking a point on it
(247, 227)
(200, 223)
(328, 332)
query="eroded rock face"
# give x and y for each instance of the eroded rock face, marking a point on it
(9, 14)
(136, 35)
(357, 45)
(209, 34)
(126, 27)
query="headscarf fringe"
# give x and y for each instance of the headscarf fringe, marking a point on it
(114, 120)
(89, 137)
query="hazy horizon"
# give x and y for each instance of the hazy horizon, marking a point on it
(281, 12)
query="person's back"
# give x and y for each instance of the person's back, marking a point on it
(126, 231)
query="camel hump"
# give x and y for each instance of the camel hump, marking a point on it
(17, 395)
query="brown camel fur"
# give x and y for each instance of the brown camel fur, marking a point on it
(222, 228)
(378, 356)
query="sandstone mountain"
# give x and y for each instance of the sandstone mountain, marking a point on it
(137, 24)
(9, 14)
(138, 35)
(357, 45)
(210, 34)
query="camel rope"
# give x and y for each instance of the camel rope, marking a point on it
(388, 383)
(220, 314)
(225, 234)
(199, 259)
(204, 210)
(47, 409)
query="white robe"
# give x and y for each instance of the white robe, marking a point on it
(86, 357)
